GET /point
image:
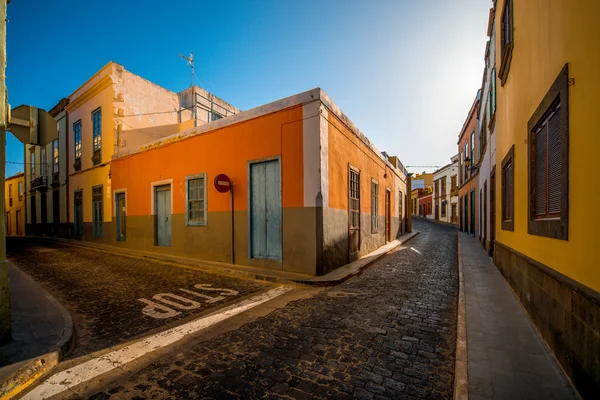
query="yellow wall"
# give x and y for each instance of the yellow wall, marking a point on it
(12, 189)
(547, 35)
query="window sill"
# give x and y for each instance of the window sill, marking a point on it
(196, 224)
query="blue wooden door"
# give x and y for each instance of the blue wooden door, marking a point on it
(120, 203)
(265, 210)
(163, 215)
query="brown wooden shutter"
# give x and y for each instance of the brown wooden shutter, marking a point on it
(554, 164)
(540, 155)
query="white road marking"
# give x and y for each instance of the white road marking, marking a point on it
(416, 251)
(81, 373)
(160, 311)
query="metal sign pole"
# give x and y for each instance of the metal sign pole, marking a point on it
(232, 231)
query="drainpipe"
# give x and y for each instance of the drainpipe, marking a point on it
(68, 233)
(5, 332)
(410, 203)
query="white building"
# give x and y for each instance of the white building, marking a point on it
(445, 192)
(487, 143)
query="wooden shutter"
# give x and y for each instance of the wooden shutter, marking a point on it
(540, 155)
(554, 164)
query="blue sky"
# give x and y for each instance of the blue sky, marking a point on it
(405, 71)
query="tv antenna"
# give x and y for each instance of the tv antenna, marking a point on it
(190, 62)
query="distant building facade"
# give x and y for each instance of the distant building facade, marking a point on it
(14, 204)
(445, 192)
(467, 174)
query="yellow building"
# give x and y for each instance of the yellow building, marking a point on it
(547, 143)
(113, 112)
(14, 205)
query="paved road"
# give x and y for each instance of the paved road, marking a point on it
(387, 334)
(113, 298)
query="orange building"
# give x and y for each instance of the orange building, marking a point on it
(468, 145)
(310, 192)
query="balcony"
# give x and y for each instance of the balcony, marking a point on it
(40, 183)
(55, 180)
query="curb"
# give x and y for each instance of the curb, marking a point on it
(37, 367)
(215, 267)
(461, 376)
(336, 281)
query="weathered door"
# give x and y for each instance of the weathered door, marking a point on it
(8, 230)
(492, 211)
(472, 231)
(485, 218)
(78, 215)
(388, 228)
(44, 213)
(19, 227)
(265, 210)
(163, 215)
(120, 204)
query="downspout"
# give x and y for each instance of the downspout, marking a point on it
(68, 234)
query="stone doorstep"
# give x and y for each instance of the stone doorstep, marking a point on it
(331, 279)
(29, 371)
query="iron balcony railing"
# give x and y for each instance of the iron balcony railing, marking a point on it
(40, 183)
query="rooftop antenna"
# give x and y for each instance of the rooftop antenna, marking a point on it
(190, 62)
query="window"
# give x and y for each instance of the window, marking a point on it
(548, 182)
(43, 165)
(10, 197)
(443, 208)
(77, 134)
(483, 136)
(55, 156)
(462, 163)
(196, 200)
(508, 191)
(97, 136)
(472, 150)
(453, 182)
(466, 178)
(400, 206)
(506, 40)
(492, 98)
(97, 212)
(374, 207)
(215, 117)
(32, 163)
(20, 191)
(354, 209)
(444, 187)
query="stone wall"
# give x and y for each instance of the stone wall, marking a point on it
(566, 314)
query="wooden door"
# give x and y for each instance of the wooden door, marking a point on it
(265, 210)
(121, 227)
(78, 215)
(492, 210)
(19, 226)
(163, 215)
(388, 212)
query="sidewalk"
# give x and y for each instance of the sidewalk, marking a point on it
(507, 358)
(41, 330)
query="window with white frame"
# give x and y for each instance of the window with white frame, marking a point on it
(196, 200)
(55, 156)
(97, 129)
(374, 206)
(77, 135)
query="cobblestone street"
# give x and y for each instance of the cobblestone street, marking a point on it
(388, 333)
(102, 290)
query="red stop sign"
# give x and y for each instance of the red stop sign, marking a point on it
(222, 183)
